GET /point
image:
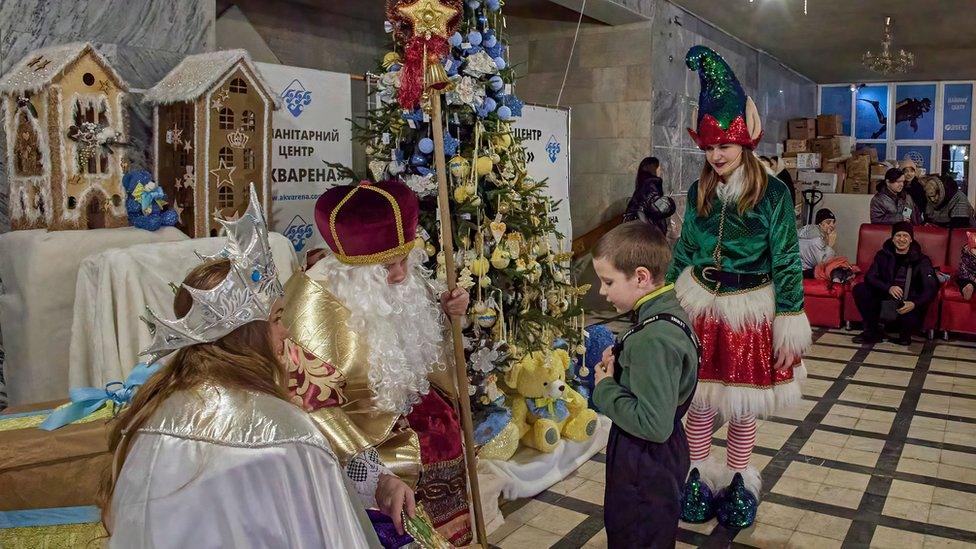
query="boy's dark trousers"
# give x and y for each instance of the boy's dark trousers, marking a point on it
(642, 501)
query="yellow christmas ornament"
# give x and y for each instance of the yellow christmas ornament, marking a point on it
(430, 249)
(459, 167)
(484, 282)
(487, 317)
(391, 58)
(479, 267)
(461, 193)
(500, 258)
(503, 141)
(483, 165)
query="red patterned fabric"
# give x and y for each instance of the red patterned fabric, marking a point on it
(443, 481)
(739, 359)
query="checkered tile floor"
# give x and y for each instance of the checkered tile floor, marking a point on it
(881, 452)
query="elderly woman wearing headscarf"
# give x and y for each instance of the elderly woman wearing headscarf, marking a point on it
(946, 206)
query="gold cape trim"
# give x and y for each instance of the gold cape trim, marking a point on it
(319, 323)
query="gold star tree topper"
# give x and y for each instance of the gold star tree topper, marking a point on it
(428, 17)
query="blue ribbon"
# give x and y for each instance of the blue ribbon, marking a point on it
(148, 197)
(87, 400)
(54, 516)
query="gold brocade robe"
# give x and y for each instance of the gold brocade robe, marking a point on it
(331, 379)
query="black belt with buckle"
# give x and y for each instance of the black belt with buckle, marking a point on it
(735, 280)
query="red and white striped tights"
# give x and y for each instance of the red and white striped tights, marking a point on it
(741, 437)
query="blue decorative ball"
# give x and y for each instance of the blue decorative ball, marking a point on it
(426, 145)
(418, 159)
(490, 104)
(496, 82)
(255, 275)
(493, 5)
(504, 112)
(490, 41)
(474, 38)
(394, 67)
(474, 4)
(456, 39)
(424, 170)
(500, 63)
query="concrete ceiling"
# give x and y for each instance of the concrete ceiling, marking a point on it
(826, 44)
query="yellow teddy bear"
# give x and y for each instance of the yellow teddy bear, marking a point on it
(545, 407)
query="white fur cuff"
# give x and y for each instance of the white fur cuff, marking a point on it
(792, 332)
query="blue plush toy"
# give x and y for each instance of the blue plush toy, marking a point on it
(145, 202)
(599, 338)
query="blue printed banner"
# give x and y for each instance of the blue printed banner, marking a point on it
(915, 111)
(837, 100)
(920, 154)
(872, 112)
(957, 112)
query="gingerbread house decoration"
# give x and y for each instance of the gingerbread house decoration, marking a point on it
(212, 138)
(65, 117)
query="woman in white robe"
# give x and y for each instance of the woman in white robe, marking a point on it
(212, 454)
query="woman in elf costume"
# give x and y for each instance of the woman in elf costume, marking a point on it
(737, 273)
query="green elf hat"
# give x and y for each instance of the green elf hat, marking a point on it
(725, 114)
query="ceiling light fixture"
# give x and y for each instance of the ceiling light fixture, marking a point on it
(888, 61)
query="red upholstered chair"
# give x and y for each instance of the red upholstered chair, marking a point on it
(957, 315)
(935, 244)
(823, 306)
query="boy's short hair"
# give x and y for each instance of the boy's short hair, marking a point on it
(635, 244)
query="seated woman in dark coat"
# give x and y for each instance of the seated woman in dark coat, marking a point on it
(886, 280)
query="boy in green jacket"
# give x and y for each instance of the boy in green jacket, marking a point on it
(644, 385)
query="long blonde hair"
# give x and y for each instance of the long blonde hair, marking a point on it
(243, 359)
(753, 185)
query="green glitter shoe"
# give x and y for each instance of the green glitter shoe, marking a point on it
(696, 500)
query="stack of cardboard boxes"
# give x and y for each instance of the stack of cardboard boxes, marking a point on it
(827, 164)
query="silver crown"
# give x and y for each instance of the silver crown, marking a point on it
(245, 295)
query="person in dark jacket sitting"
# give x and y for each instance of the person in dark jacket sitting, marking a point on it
(885, 281)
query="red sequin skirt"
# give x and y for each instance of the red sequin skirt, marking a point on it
(741, 358)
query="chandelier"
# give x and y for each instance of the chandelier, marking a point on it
(888, 61)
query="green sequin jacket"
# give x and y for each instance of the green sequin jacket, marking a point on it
(761, 240)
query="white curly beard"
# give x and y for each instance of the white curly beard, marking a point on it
(402, 325)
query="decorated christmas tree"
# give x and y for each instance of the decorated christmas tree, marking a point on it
(509, 253)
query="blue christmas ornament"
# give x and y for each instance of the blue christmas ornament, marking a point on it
(398, 154)
(496, 82)
(490, 40)
(394, 67)
(472, 50)
(416, 115)
(482, 20)
(426, 145)
(482, 110)
(500, 63)
(424, 170)
(456, 39)
(418, 159)
(474, 4)
(450, 144)
(504, 113)
(455, 64)
(474, 38)
(490, 104)
(494, 51)
(513, 103)
(493, 5)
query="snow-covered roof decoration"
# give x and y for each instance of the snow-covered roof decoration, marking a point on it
(196, 74)
(40, 67)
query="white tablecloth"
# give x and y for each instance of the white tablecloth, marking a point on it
(115, 287)
(531, 472)
(38, 270)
